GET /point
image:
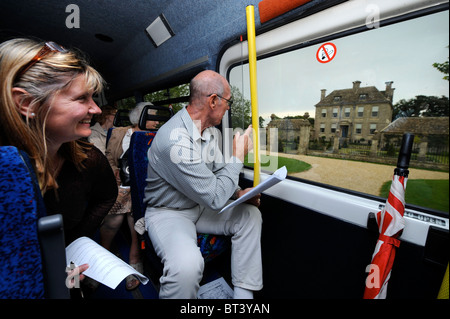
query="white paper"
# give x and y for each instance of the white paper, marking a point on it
(104, 266)
(217, 289)
(276, 177)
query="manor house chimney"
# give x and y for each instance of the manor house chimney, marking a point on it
(356, 85)
(323, 94)
(389, 93)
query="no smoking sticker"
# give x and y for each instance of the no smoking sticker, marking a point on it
(326, 52)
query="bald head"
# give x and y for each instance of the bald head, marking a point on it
(206, 83)
(210, 93)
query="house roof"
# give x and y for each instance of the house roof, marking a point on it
(353, 96)
(288, 124)
(419, 125)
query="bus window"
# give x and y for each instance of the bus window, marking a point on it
(126, 103)
(123, 108)
(176, 97)
(334, 111)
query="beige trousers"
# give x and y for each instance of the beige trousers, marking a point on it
(174, 237)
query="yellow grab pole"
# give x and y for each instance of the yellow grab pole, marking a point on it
(253, 90)
(443, 292)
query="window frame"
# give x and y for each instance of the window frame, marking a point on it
(375, 111)
(361, 114)
(392, 14)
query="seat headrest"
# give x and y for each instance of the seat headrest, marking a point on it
(122, 118)
(161, 114)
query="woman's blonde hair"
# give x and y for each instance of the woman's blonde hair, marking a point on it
(42, 81)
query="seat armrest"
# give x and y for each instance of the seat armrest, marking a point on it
(53, 250)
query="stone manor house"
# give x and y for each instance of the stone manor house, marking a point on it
(353, 114)
(345, 115)
(361, 115)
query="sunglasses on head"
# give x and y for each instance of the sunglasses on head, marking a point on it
(46, 49)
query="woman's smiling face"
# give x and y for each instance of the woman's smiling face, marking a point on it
(71, 113)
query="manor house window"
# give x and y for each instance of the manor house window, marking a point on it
(361, 111)
(333, 128)
(374, 111)
(335, 112)
(347, 112)
(373, 128)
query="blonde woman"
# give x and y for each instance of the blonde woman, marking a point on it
(46, 107)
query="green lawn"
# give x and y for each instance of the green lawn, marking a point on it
(292, 165)
(424, 192)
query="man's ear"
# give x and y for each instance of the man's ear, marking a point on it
(212, 101)
(23, 101)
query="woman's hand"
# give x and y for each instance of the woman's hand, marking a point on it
(75, 275)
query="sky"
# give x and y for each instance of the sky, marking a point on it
(290, 84)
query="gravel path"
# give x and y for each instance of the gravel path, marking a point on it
(359, 176)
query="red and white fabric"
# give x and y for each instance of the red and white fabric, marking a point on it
(391, 223)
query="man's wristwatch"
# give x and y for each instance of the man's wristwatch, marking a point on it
(235, 195)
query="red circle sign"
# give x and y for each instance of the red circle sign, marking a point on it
(326, 52)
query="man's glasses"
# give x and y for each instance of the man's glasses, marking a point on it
(46, 49)
(229, 102)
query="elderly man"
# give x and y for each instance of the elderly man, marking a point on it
(189, 181)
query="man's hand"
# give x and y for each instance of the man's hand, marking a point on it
(255, 200)
(242, 144)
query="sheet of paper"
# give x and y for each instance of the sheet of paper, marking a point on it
(276, 177)
(104, 266)
(217, 289)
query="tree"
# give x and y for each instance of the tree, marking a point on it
(442, 67)
(126, 103)
(261, 121)
(421, 106)
(241, 114)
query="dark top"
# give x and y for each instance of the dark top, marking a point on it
(83, 197)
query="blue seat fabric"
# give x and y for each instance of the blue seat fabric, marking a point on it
(21, 274)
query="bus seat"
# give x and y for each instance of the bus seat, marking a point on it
(108, 135)
(121, 118)
(210, 245)
(32, 251)
(139, 144)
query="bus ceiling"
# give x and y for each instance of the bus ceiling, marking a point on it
(114, 34)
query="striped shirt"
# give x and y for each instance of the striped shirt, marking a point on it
(186, 168)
